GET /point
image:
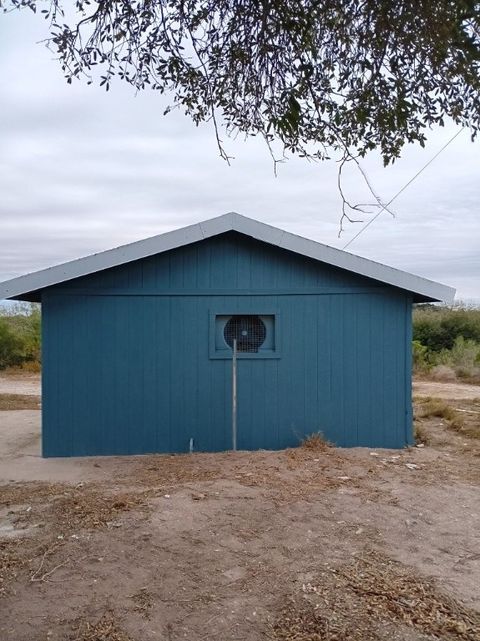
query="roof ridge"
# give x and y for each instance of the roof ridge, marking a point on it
(423, 288)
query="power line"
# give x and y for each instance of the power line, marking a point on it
(403, 189)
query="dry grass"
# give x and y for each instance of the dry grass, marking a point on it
(106, 629)
(12, 560)
(442, 374)
(435, 407)
(470, 414)
(464, 420)
(316, 441)
(62, 511)
(10, 402)
(143, 602)
(354, 602)
(168, 471)
(299, 472)
(420, 434)
(26, 370)
(71, 508)
(31, 367)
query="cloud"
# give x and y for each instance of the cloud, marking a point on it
(82, 170)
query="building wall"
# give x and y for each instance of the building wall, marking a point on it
(127, 364)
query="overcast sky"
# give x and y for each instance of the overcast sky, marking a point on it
(82, 170)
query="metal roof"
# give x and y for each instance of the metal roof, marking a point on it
(30, 284)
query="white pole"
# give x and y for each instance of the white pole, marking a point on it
(234, 396)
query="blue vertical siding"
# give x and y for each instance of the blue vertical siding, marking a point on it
(127, 365)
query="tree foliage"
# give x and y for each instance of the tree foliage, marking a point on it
(316, 75)
(10, 346)
(438, 327)
(20, 332)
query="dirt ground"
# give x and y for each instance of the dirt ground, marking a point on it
(20, 384)
(445, 390)
(307, 544)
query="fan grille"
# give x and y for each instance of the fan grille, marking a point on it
(250, 332)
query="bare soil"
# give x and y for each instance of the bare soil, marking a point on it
(307, 544)
(18, 382)
(445, 390)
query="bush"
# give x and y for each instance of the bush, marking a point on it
(463, 358)
(446, 342)
(316, 441)
(438, 327)
(11, 348)
(20, 330)
(443, 374)
(419, 357)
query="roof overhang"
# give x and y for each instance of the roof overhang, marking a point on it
(29, 286)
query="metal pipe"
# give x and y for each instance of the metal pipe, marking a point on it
(234, 396)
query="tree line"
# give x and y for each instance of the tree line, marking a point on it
(446, 342)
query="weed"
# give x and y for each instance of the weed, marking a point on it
(316, 441)
(443, 374)
(436, 407)
(420, 434)
(106, 629)
(464, 421)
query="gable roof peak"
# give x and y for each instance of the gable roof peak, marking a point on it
(422, 289)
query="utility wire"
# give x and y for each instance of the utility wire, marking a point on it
(384, 207)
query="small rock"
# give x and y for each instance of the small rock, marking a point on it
(374, 454)
(411, 466)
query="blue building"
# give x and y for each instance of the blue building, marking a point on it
(137, 343)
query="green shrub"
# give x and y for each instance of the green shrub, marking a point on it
(20, 330)
(419, 356)
(11, 347)
(438, 327)
(446, 342)
(463, 357)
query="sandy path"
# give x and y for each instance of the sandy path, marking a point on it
(20, 454)
(446, 390)
(29, 384)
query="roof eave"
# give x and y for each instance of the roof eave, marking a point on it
(29, 287)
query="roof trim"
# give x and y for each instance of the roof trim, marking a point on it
(424, 290)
